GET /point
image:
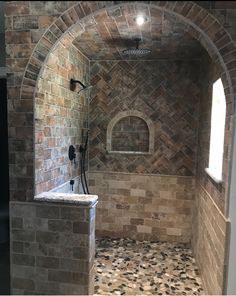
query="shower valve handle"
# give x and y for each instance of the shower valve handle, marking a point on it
(72, 182)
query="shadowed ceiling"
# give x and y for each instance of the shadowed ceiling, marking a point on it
(104, 36)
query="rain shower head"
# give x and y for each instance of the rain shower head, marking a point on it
(73, 85)
(136, 51)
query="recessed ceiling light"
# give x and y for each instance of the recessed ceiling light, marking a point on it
(140, 20)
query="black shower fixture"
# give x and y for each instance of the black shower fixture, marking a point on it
(73, 83)
(71, 153)
(136, 51)
(83, 149)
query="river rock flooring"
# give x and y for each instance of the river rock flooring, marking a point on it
(128, 267)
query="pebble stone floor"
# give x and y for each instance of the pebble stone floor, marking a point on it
(128, 267)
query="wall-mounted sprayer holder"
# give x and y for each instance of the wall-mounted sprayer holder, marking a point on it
(71, 153)
(72, 156)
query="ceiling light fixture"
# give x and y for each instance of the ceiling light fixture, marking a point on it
(140, 20)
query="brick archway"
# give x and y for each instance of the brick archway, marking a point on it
(200, 24)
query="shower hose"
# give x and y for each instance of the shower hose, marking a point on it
(83, 150)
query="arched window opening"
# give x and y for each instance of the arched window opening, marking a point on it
(218, 113)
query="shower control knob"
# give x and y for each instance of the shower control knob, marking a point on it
(72, 182)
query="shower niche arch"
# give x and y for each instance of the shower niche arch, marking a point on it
(130, 132)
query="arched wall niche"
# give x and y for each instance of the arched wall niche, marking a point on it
(127, 114)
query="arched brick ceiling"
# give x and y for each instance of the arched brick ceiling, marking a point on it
(104, 36)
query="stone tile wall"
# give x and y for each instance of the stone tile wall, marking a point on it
(143, 207)
(167, 93)
(52, 248)
(25, 23)
(60, 115)
(210, 230)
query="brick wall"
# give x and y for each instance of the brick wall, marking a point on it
(52, 248)
(60, 115)
(25, 23)
(167, 93)
(143, 207)
(138, 205)
(209, 229)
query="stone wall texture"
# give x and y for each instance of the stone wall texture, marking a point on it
(60, 116)
(167, 93)
(143, 207)
(210, 230)
(52, 249)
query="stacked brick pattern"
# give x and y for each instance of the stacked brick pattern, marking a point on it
(143, 207)
(52, 249)
(210, 230)
(167, 93)
(209, 222)
(130, 134)
(60, 115)
(25, 24)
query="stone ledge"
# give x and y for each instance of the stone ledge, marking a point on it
(142, 174)
(78, 199)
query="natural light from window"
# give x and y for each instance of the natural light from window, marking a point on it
(217, 131)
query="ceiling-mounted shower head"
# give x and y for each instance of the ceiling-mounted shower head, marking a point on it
(73, 85)
(136, 51)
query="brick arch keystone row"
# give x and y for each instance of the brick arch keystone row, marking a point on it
(201, 25)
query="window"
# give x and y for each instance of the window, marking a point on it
(217, 131)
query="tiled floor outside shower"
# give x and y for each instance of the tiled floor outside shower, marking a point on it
(127, 267)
